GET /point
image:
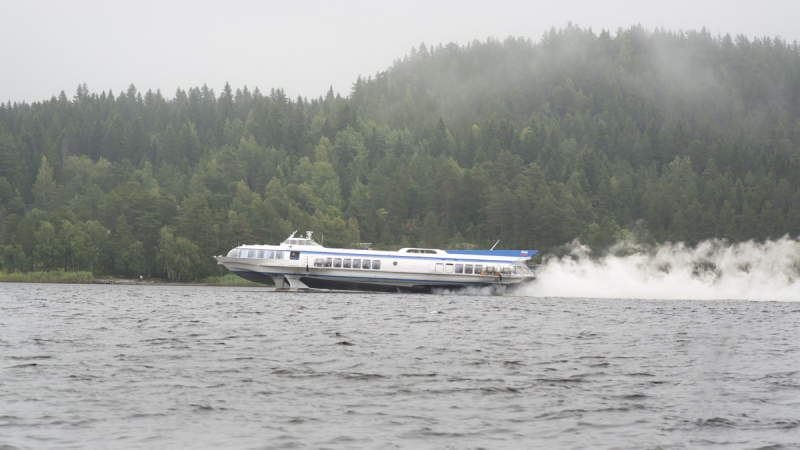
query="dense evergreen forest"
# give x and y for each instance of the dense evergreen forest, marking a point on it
(655, 135)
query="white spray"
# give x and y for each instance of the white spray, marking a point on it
(714, 270)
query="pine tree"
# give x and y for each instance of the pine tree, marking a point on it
(45, 189)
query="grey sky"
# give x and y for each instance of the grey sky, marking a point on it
(303, 47)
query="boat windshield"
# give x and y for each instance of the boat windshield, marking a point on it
(307, 242)
(522, 269)
(428, 251)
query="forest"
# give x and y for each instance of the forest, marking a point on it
(651, 135)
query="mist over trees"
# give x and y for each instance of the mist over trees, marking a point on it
(665, 136)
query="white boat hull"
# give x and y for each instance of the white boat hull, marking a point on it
(301, 263)
(285, 274)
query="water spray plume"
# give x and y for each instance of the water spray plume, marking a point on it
(713, 270)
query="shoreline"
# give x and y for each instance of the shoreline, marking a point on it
(132, 282)
(87, 278)
(127, 282)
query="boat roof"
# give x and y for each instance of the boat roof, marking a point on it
(308, 241)
(410, 251)
(504, 253)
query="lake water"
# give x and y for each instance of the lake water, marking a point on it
(85, 366)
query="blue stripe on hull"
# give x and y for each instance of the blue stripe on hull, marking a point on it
(368, 279)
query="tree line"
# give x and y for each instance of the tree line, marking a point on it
(655, 135)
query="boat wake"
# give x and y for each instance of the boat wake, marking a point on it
(468, 291)
(713, 270)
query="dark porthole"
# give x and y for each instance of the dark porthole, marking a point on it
(394, 263)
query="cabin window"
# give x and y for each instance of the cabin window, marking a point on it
(318, 262)
(356, 264)
(366, 264)
(448, 268)
(337, 262)
(328, 262)
(278, 255)
(260, 254)
(506, 270)
(459, 268)
(243, 253)
(376, 265)
(233, 253)
(421, 250)
(468, 269)
(478, 269)
(439, 267)
(346, 263)
(294, 256)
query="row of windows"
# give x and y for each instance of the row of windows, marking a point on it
(348, 263)
(469, 269)
(256, 253)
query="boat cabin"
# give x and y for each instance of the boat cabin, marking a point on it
(306, 241)
(426, 251)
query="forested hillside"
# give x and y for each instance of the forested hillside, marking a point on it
(659, 135)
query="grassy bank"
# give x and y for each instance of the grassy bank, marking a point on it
(230, 280)
(87, 277)
(47, 277)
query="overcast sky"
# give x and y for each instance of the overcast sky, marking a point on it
(303, 46)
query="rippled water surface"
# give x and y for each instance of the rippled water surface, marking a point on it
(201, 367)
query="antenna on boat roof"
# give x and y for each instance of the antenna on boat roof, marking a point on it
(292, 235)
(495, 245)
